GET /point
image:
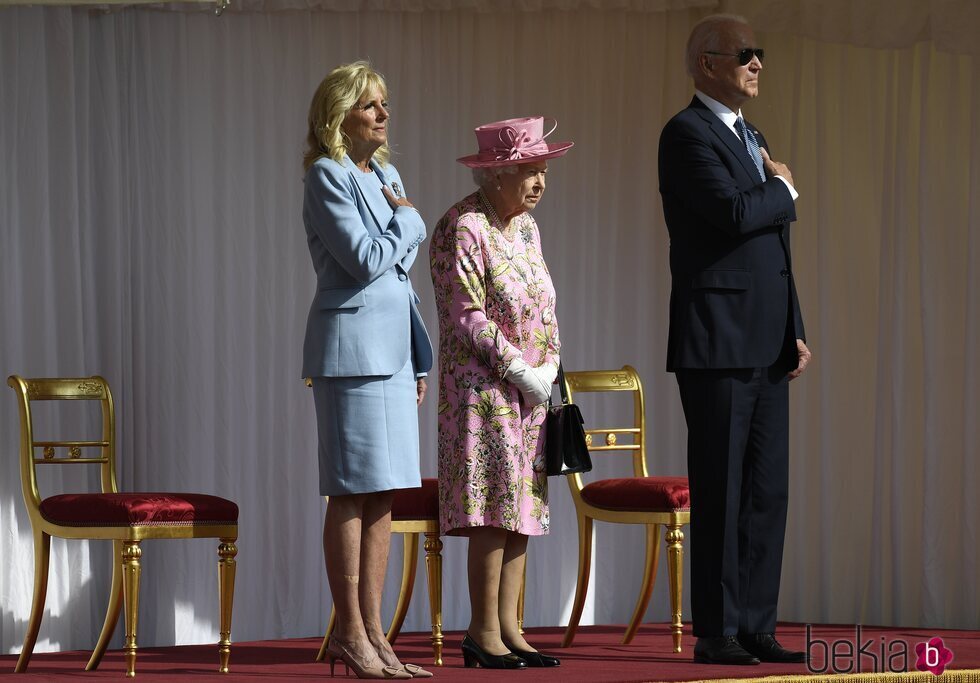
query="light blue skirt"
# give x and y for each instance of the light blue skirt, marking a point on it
(368, 429)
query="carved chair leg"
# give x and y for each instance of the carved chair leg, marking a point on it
(227, 550)
(331, 622)
(42, 556)
(410, 559)
(130, 560)
(112, 610)
(584, 570)
(649, 578)
(433, 565)
(675, 574)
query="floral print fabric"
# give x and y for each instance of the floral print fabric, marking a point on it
(496, 302)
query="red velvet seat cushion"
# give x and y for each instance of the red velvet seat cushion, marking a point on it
(648, 494)
(421, 503)
(138, 509)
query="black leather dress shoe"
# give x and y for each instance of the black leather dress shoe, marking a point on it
(767, 649)
(722, 650)
(474, 655)
(535, 658)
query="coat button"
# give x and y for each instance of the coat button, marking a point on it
(402, 277)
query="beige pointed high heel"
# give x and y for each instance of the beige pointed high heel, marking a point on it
(416, 671)
(413, 670)
(337, 649)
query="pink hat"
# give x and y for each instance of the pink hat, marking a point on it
(514, 141)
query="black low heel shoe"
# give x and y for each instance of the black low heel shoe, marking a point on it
(474, 655)
(535, 659)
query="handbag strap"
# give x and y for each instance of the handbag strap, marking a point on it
(561, 385)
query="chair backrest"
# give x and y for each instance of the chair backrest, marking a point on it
(74, 452)
(630, 435)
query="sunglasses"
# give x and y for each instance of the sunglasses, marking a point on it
(744, 55)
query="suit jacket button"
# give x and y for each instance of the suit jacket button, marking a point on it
(784, 272)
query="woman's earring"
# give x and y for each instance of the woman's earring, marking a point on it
(498, 188)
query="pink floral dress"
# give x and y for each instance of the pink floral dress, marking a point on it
(495, 302)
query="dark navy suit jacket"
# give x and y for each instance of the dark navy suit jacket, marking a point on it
(733, 302)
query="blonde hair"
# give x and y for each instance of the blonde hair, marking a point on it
(336, 95)
(704, 37)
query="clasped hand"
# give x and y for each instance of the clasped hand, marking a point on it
(533, 383)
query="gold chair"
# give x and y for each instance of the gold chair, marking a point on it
(640, 499)
(413, 511)
(124, 518)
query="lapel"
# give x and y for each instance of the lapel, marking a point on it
(381, 174)
(373, 225)
(384, 180)
(359, 179)
(728, 136)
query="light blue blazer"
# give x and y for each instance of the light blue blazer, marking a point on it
(364, 319)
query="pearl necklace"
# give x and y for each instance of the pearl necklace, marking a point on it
(495, 219)
(507, 231)
(490, 210)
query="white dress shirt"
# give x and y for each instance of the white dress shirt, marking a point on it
(728, 117)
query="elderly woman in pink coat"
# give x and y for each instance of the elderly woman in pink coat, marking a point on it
(498, 358)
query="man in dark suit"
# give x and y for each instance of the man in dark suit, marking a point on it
(736, 338)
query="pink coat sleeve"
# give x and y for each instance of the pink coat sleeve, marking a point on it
(465, 291)
(550, 332)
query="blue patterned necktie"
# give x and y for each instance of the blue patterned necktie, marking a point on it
(751, 144)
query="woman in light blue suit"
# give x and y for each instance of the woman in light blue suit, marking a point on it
(366, 351)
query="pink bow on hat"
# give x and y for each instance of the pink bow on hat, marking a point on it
(518, 143)
(514, 140)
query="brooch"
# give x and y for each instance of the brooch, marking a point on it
(397, 189)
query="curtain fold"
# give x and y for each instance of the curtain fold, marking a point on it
(389, 5)
(150, 231)
(948, 24)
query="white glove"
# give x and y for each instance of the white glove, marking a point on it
(534, 390)
(547, 374)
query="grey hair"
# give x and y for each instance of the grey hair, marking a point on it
(704, 37)
(485, 176)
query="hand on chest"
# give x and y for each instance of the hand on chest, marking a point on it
(742, 158)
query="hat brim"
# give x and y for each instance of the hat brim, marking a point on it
(555, 150)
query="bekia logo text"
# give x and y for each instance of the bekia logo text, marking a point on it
(844, 656)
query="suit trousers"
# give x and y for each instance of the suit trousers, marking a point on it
(738, 467)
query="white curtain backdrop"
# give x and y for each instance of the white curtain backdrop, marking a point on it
(150, 231)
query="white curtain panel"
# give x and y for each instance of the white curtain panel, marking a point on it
(150, 231)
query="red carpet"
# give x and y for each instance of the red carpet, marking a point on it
(597, 655)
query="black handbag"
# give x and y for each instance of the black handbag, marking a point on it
(565, 449)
